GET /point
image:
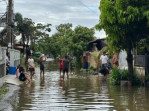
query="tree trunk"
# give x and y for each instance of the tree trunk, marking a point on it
(23, 38)
(130, 61)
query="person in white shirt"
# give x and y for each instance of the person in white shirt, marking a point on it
(31, 66)
(103, 60)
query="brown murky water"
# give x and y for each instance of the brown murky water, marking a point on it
(79, 93)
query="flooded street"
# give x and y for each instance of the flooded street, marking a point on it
(79, 93)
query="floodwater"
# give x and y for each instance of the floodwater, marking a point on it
(79, 93)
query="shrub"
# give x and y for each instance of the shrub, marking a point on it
(147, 78)
(115, 76)
(136, 80)
(124, 75)
(92, 68)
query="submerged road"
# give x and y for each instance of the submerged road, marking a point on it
(78, 93)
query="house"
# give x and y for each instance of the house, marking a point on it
(98, 44)
(92, 55)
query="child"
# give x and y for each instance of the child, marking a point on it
(17, 71)
(23, 75)
(60, 65)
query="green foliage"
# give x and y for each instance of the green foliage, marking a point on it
(80, 40)
(136, 80)
(3, 90)
(140, 46)
(92, 68)
(104, 49)
(117, 75)
(125, 23)
(67, 41)
(36, 59)
(22, 60)
(147, 78)
(31, 32)
(124, 75)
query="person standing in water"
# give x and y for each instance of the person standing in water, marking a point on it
(104, 60)
(42, 59)
(60, 65)
(65, 67)
(31, 66)
(115, 60)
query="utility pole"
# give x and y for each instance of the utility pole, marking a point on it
(10, 23)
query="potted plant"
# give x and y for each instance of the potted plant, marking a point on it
(124, 78)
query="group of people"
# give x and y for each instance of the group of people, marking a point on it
(64, 66)
(105, 63)
(21, 72)
(23, 75)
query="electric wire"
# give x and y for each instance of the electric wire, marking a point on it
(88, 7)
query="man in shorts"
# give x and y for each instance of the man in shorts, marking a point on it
(65, 67)
(104, 60)
(31, 66)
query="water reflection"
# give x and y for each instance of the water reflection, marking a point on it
(78, 93)
(42, 81)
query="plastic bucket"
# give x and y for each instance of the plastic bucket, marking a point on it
(12, 70)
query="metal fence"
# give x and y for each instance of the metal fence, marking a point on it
(141, 60)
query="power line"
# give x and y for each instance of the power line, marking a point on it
(88, 7)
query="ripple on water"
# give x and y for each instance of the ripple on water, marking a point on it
(77, 94)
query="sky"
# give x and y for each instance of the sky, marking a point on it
(55, 12)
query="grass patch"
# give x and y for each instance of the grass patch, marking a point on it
(3, 90)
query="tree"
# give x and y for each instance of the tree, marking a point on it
(125, 23)
(20, 28)
(80, 41)
(31, 32)
(58, 43)
(67, 41)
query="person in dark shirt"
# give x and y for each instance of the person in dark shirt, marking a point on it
(24, 75)
(65, 67)
(42, 59)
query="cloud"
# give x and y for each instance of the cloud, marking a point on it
(3, 6)
(55, 12)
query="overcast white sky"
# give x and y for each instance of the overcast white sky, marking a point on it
(77, 12)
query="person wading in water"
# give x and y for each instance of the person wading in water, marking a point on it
(31, 66)
(65, 67)
(42, 59)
